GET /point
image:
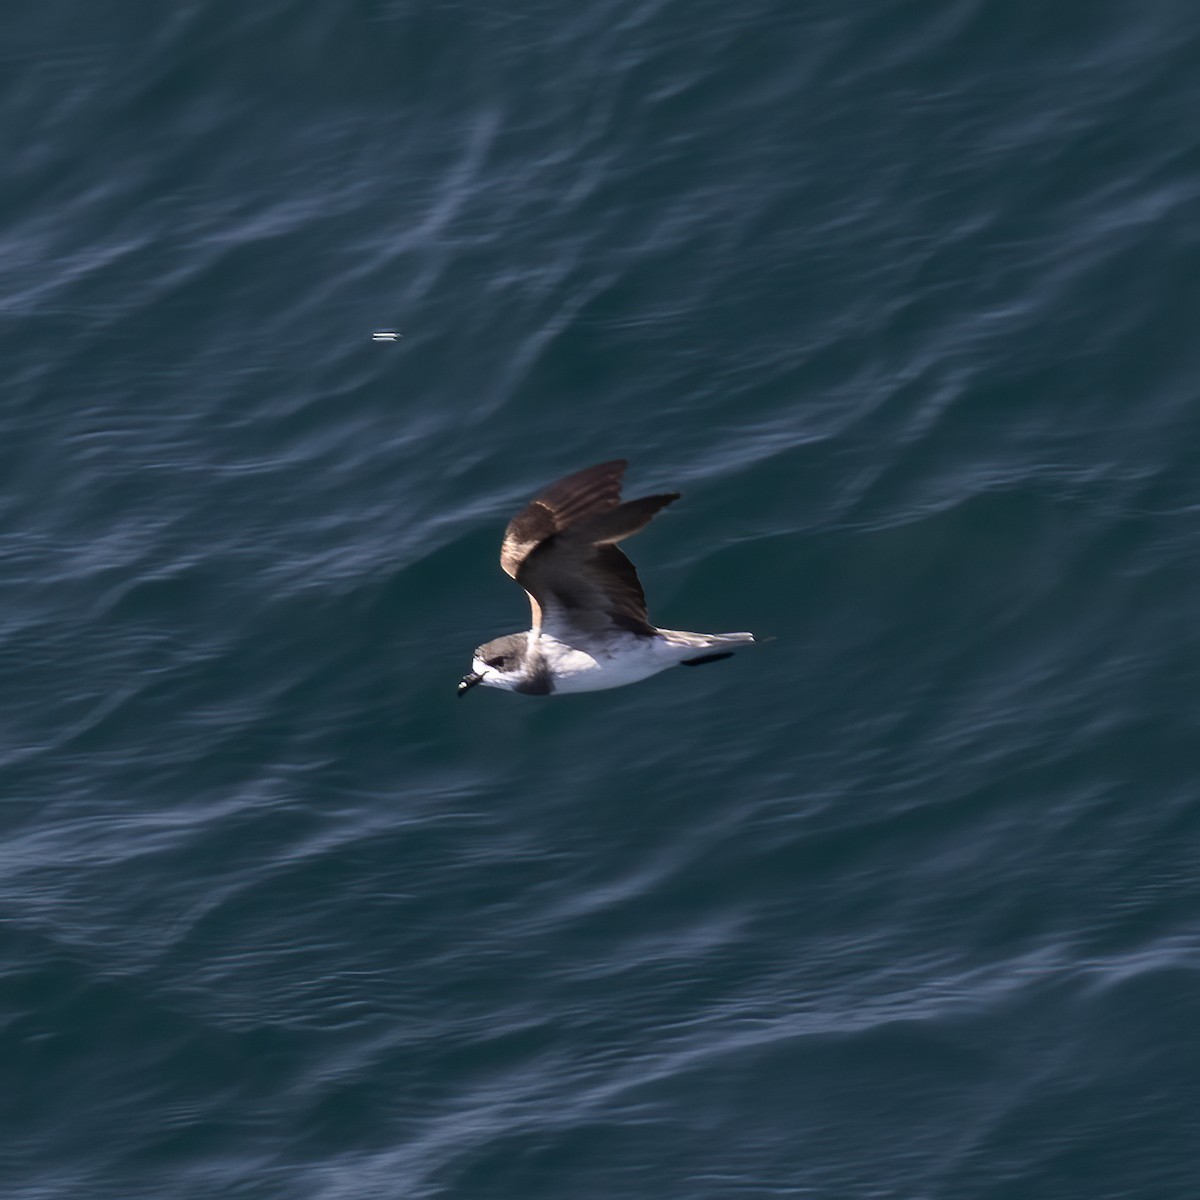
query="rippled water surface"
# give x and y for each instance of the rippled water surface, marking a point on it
(902, 297)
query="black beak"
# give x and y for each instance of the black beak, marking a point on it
(467, 683)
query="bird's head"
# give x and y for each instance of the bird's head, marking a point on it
(499, 664)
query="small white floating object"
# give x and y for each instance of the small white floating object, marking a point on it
(384, 335)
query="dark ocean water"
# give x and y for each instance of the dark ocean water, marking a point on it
(903, 297)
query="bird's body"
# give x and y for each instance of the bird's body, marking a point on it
(590, 627)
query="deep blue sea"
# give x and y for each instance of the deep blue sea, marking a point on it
(903, 296)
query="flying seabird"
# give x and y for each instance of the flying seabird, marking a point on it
(590, 629)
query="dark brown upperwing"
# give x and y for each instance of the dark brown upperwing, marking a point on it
(579, 578)
(587, 493)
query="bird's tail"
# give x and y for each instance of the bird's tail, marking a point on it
(706, 641)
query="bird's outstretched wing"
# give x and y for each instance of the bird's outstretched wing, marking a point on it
(561, 548)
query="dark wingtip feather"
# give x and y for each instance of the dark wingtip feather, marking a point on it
(625, 520)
